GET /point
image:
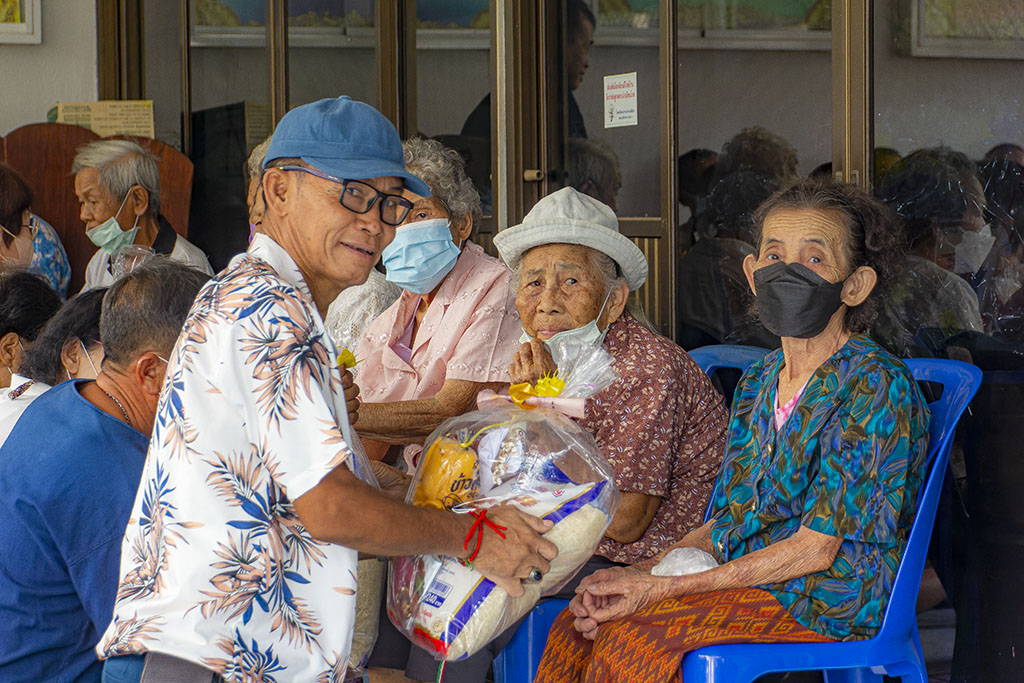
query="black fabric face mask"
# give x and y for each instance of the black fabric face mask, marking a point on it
(794, 301)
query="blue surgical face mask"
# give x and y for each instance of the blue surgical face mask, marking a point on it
(421, 255)
(109, 236)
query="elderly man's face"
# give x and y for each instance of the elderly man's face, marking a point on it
(96, 202)
(332, 245)
(560, 288)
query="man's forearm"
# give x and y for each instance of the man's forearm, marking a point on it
(408, 530)
(805, 552)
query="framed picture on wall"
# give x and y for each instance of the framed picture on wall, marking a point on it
(21, 21)
(959, 28)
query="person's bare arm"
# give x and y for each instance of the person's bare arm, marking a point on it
(405, 422)
(636, 510)
(344, 510)
(614, 593)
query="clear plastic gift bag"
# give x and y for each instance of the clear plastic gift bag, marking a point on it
(535, 458)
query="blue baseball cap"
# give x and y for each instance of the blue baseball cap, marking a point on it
(343, 137)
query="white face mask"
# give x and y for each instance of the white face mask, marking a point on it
(567, 346)
(974, 246)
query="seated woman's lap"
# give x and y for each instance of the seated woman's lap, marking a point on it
(648, 646)
(394, 651)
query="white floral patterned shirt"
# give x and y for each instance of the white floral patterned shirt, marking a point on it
(216, 566)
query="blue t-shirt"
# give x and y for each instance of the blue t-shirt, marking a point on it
(68, 477)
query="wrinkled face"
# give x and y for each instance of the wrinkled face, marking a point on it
(560, 288)
(814, 238)
(332, 243)
(577, 57)
(429, 208)
(96, 202)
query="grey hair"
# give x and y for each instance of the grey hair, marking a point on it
(122, 165)
(145, 309)
(613, 277)
(444, 171)
(254, 164)
(596, 161)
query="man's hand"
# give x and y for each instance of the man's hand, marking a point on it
(348, 383)
(507, 561)
(530, 362)
(393, 482)
(614, 593)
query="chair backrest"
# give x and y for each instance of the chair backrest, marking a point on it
(42, 153)
(959, 382)
(716, 356)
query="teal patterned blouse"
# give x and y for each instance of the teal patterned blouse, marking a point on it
(848, 462)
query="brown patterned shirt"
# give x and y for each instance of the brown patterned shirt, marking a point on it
(662, 427)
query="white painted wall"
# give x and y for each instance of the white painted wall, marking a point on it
(62, 68)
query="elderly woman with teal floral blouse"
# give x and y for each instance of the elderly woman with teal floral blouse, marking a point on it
(825, 457)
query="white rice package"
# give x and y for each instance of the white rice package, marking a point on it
(538, 460)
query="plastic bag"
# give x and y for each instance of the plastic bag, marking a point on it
(536, 459)
(681, 561)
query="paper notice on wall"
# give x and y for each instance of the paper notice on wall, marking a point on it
(620, 100)
(110, 117)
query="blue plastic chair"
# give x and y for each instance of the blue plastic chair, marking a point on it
(712, 358)
(896, 649)
(518, 661)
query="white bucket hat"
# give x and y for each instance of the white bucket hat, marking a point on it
(571, 217)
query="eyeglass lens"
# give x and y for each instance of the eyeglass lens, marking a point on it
(360, 197)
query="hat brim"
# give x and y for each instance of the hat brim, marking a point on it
(513, 242)
(362, 169)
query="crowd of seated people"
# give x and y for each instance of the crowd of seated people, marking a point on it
(187, 462)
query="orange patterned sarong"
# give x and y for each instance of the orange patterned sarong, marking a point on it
(648, 647)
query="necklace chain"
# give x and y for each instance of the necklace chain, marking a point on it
(119, 405)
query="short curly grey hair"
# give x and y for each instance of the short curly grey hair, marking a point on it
(122, 164)
(444, 171)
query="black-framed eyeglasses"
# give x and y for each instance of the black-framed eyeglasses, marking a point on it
(360, 197)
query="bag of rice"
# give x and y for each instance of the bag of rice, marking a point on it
(538, 460)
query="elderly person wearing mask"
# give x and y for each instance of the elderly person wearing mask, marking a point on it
(67, 348)
(832, 420)
(27, 302)
(661, 425)
(255, 500)
(454, 329)
(26, 240)
(69, 473)
(118, 186)
(940, 203)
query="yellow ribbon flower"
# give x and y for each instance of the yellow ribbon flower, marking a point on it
(347, 359)
(549, 386)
